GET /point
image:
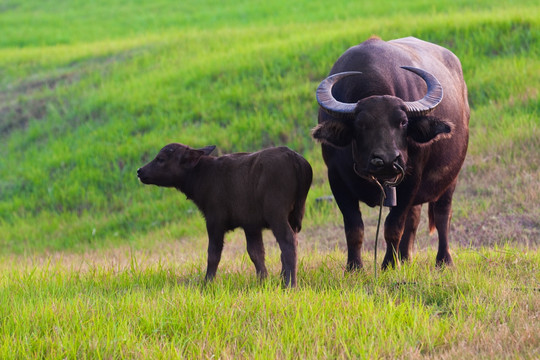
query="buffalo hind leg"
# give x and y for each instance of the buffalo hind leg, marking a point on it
(255, 249)
(406, 245)
(286, 239)
(442, 213)
(215, 247)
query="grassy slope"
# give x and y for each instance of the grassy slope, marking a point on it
(89, 91)
(85, 101)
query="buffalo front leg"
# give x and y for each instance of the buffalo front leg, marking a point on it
(215, 247)
(442, 213)
(406, 245)
(354, 234)
(352, 221)
(286, 239)
(255, 249)
(393, 230)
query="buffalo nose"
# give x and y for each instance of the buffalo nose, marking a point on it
(396, 162)
(377, 162)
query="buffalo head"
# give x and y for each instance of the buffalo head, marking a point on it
(379, 128)
(171, 164)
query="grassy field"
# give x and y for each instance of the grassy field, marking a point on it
(124, 304)
(95, 265)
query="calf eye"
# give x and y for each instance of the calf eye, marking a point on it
(404, 122)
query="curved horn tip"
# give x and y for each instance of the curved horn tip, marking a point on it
(327, 101)
(432, 98)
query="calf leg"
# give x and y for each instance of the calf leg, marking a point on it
(286, 239)
(255, 248)
(406, 245)
(442, 213)
(215, 247)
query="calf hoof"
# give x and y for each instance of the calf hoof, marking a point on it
(209, 277)
(288, 279)
(262, 275)
(444, 260)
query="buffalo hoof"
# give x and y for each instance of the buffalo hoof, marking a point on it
(390, 262)
(405, 256)
(354, 266)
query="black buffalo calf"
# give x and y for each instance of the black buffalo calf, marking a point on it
(254, 191)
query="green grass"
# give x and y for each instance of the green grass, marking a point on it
(81, 114)
(132, 306)
(93, 264)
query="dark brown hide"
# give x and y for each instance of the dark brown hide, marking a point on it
(374, 125)
(254, 191)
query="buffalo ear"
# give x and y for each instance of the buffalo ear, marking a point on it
(207, 150)
(427, 129)
(191, 158)
(334, 132)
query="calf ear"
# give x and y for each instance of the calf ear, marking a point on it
(191, 158)
(332, 132)
(207, 150)
(427, 129)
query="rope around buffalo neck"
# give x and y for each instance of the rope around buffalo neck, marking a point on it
(381, 204)
(374, 180)
(383, 196)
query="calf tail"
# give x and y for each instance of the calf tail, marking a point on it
(431, 217)
(304, 177)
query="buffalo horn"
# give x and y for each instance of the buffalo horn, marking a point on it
(432, 98)
(327, 101)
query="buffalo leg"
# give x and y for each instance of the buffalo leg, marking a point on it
(255, 249)
(286, 239)
(442, 213)
(215, 247)
(352, 221)
(393, 230)
(406, 245)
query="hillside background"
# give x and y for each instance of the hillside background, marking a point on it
(91, 90)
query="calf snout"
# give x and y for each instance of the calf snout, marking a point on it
(140, 175)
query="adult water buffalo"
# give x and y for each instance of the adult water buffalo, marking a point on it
(383, 118)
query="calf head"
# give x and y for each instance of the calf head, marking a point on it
(379, 128)
(171, 165)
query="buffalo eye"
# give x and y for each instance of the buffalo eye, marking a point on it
(160, 160)
(404, 122)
